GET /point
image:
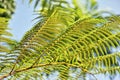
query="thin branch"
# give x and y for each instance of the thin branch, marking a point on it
(41, 65)
(6, 75)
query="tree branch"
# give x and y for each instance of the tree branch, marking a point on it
(41, 65)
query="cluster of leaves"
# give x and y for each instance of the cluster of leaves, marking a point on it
(8, 6)
(6, 44)
(4, 18)
(66, 41)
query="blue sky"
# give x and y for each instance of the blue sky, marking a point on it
(22, 19)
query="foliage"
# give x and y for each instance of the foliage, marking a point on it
(66, 41)
(6, 44)
(4, 18)
(8, 6)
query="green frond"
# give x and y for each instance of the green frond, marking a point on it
(7, 8)
(63, 72)
(101, 61)
(111, 70)
(43, 34)
(85, 43)
(4, 49)
(3, 34)
(6, 44)
(60, 43)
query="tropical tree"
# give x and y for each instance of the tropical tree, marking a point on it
(70, 41)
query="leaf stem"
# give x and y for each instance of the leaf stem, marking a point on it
(41, 65)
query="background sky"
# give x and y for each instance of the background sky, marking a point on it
(22, 19)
